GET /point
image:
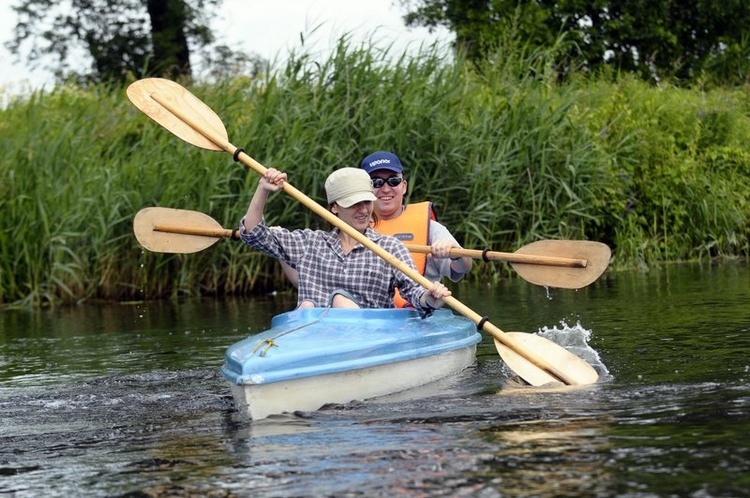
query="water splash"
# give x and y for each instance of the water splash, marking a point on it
(575, 339)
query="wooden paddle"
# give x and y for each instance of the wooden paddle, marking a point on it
(181, 231)
(187, 117)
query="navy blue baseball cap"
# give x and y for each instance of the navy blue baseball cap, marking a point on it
(381, 160)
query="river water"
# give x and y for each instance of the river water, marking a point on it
(127, 400)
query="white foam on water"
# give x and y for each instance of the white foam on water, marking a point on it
(575, 339)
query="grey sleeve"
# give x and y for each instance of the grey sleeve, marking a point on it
(435, 269)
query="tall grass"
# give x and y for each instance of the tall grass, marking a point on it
(507, 152)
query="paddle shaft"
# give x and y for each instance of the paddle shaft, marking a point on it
(506, 256)
(412, 273)
(455, 252)
(200, 231)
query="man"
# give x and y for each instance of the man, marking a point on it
(413, 223)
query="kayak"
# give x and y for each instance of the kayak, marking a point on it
(315, 356)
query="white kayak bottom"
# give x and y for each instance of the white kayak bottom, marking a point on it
(258, 401)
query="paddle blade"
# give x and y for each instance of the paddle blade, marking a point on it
(156, 241)
(596, 254)
(144, 94)
(575, 369)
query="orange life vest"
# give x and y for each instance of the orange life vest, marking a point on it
(412, 226)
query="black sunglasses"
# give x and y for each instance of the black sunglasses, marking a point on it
(393, 181)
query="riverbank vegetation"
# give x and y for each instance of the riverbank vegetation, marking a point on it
(509, 153)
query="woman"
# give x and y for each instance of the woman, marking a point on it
(334, 269)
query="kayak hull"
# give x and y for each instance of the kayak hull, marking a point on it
(313, 357)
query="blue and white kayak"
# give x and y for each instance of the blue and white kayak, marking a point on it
(311, 357)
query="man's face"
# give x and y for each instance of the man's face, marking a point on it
(390, 197)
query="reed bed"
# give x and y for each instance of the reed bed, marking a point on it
(508, 154)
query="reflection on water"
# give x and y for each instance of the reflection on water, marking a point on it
(551, 458)
(127, 399)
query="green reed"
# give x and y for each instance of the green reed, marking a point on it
(508, 153)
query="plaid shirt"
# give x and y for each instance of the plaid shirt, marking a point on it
(323, 268)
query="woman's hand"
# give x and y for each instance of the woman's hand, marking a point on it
(434, 296)
(273, 180)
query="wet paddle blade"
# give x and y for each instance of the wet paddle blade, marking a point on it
(578, 371)
(156, 241)
(144, 94)
(596, 254)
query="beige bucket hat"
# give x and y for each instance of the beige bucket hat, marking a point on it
(348, 186)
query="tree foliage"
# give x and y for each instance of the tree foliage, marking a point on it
(119, 38)
(685, 40)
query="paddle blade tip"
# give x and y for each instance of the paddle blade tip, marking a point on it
(152, 240)
(179, 111)
(576, 370)
(596, 254)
